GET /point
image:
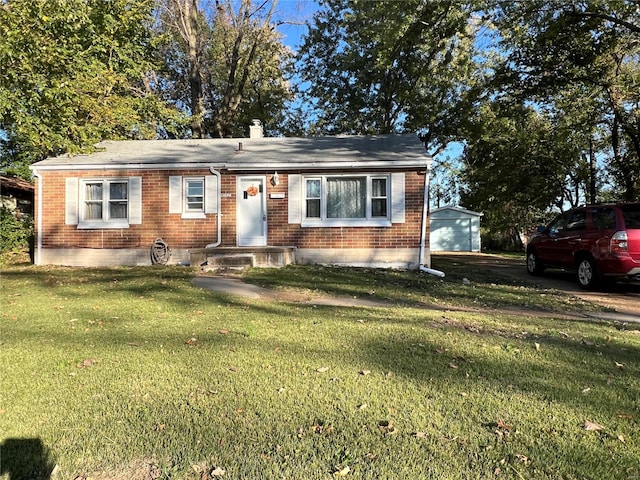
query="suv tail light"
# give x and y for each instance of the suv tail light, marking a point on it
(619, 242)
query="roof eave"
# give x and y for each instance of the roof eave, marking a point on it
(240, 166)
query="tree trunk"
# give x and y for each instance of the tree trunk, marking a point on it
(592, 173)
(184, 17)
(195, 71)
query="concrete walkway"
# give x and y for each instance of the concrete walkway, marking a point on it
(234, 286)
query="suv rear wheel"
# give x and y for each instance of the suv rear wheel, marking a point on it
(534, 266)
(587, 274)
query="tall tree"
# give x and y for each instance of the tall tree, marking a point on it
(226, 65)
(74, 72)
(518, 161)
(384, 67)
(188, 35)
(591, 45)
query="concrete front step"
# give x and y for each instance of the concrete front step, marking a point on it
(240, 261)
(236, 258)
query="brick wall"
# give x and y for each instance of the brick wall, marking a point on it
(399, 235)
(196, 233)
(156, 221)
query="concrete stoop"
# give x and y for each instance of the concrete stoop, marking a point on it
(240, 258)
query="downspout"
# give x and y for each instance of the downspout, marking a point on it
(38, 250)
(219, 222)
(425, 219)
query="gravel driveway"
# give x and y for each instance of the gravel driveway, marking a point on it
(622, 298)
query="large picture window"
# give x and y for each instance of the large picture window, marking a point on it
(348, 200)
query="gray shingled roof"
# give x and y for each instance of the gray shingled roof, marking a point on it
(252, 154)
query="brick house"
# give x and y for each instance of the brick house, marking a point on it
(350, 200)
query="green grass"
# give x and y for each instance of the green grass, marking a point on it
(135, 373)
(487, 289)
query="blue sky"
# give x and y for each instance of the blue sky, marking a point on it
(295, 13)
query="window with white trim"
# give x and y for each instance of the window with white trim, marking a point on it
(95, 203)
(193, 197)
(104, 202)
(346, 200)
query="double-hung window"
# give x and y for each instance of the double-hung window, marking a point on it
(194, 196)
(348, 200)
(104, 203)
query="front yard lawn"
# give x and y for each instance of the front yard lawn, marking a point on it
(134, 373)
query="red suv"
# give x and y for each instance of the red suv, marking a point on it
(597, 241)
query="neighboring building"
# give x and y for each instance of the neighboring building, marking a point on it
(16, 194)
(351, 200)
(454, 229)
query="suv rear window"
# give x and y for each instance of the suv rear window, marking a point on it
(604, 218)
(631, 214)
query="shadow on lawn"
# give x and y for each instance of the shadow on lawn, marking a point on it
(560, 372)
(25, 459)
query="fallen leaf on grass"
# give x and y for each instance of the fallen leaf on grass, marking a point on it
(233, 369)
(191, 341)
(537, 345)
(387, 427)
(523, 459)
(420, 435)
(322, 429)
(592, 426)
(218, 472)
(342, 472)
(365, 372)
(503, 426)
(223, 331)
(620, 365)
(86, 363)
(621, 438)
(322, 369)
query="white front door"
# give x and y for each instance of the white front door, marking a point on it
(251, 211)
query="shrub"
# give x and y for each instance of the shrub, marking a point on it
(16, 231)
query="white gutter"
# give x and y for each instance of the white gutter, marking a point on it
(219, 221)
(124, 166)
(234, 166)
(425, 219)
(38, 250)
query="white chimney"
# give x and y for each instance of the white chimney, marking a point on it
(255, 130)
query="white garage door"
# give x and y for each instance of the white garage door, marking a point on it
(451, 235)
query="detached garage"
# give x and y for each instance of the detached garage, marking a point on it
(455, 229)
